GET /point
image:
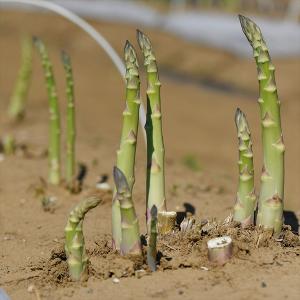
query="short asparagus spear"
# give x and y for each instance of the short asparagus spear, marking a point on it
(155, 144)
(270, 208)
(127, 150)
(74, 246)
(151, 250)
(130, 242)
(245, 202)
(71, 129)
(16, 108)
(54, 135)
(8, 144)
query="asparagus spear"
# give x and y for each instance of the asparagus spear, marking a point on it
(127, 150)
(270, 208)
(130, 242)
(8, 144)
(245, 203)
(151, 250)
(54, 135)
(16, 108)
(155, 144)
(71, 129)
(74, 245)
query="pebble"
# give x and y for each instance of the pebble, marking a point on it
(116, 280)
(204, 268)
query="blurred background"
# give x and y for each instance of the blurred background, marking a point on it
(206, 69)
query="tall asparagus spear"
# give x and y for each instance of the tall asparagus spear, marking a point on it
(71, 129)
(127, 150)
(246, 199)
(270, 209)
(130, 242)
(54, 135)
(75, 246)
(16, 108)
(155, 144)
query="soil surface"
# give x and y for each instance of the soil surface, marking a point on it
(201, 90)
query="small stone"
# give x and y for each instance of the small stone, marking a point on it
(116, 280)
(204, 268)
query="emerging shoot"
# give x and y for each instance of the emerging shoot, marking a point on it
(130, 241)
(75, 246)
(151, 250)
(16, 110)
(155, 144)
(246, 200)
(127, 150)
(8, 144)
(71, 129)
(54, 134)
(270, 206)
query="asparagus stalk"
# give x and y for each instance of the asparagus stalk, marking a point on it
(270, 208)
(130, 241)
(74, 245)
(54, 135)
(151, 250)
(16, 108)
(71, 129)
(166, 221)
(127, 150)
(246, 199)
(220, 250)
(155, 144)
(9, 144)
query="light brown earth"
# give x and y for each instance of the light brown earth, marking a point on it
(198, 123)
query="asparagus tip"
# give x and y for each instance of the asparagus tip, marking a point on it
(127, 46)
(250, 29)
(143, 40)
(153, 212)
(120, 180)
(93, 201)
(36, 40)
(238, 116)
(129, 53)
(65, 58)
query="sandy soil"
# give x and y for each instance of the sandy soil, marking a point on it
(198, 122)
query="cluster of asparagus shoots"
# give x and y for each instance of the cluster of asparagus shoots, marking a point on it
(74, 244)
(270, 203)
(125, 229)
(54, 126)
(125, 224)
(16, 109)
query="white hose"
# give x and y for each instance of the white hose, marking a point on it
(91, 31)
